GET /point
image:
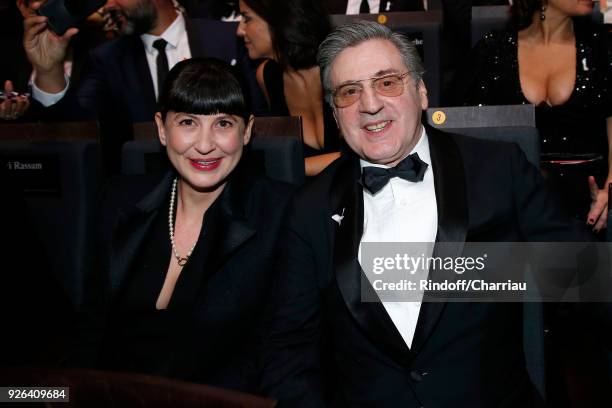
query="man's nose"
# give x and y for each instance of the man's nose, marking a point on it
(370, 101)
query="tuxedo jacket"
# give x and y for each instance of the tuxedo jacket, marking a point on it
(228, 296)
(463, 354)
(339, 6)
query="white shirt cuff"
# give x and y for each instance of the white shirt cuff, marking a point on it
(47, 99)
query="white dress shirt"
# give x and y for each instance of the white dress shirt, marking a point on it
(352, 6)
(403, 211)
(177, 50)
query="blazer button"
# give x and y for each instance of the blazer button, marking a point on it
(416, 376)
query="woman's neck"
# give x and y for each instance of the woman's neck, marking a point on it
(192, 204)
(556, 27)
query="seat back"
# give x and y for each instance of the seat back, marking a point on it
(488, 18)
(276, 149)
(507, 123)
(424, 28)
(278, 141)
(57, 169)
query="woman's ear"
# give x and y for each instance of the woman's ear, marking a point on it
(161, 131)
(247, 130)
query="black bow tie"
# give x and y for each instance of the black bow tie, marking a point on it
(412, 168)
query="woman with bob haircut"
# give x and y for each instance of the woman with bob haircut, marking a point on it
(555, 57)
(286, 34)
(187, 264)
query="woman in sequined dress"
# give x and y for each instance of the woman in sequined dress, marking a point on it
(554, 57)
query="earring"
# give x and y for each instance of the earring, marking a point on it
(542, 15)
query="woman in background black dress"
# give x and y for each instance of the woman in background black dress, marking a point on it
(187, 267)
(557, 59)
(286, 35)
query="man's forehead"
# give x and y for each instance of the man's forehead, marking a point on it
(367, 59)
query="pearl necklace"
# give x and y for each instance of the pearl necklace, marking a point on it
(181, 261)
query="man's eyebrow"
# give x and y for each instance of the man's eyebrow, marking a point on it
(377, 74)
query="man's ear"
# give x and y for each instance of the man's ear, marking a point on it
(247, 130)
(422, 91)
(161, 131)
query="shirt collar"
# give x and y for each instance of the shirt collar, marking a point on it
(421, 148)
(173, 34)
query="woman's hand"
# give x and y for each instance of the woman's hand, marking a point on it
(13, 107)
(598, 214)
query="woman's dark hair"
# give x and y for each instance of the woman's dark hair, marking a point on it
(204, 86)
(522, 12)
(297, 27)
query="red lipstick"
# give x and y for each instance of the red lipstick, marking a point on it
(205, 165)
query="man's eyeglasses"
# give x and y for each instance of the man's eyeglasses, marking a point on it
(386, 85)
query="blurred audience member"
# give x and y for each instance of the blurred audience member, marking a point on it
(15, 69)
(19, 73)
(556, 58)
(123, 76)
(286, 35)
(13, 105)
(184, 271)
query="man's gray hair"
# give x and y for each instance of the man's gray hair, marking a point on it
(353, 34)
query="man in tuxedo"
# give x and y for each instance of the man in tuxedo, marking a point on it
(373, 6)
(401, 182)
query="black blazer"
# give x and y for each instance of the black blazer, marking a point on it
(463, 354)
(238, 247)
(339, 6)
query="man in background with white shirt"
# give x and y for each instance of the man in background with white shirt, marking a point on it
(126, 71)
(402, 182)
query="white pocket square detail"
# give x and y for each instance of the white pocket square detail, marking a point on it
(338, 217)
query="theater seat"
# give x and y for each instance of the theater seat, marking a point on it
(56, 168)
(276, 149)
(93, 389)
(516, 124)
(507, 123)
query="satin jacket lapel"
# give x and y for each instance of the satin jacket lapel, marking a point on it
(139, 82)
(451, 197)
(132, 227)
(347, 198)
(225, 230)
